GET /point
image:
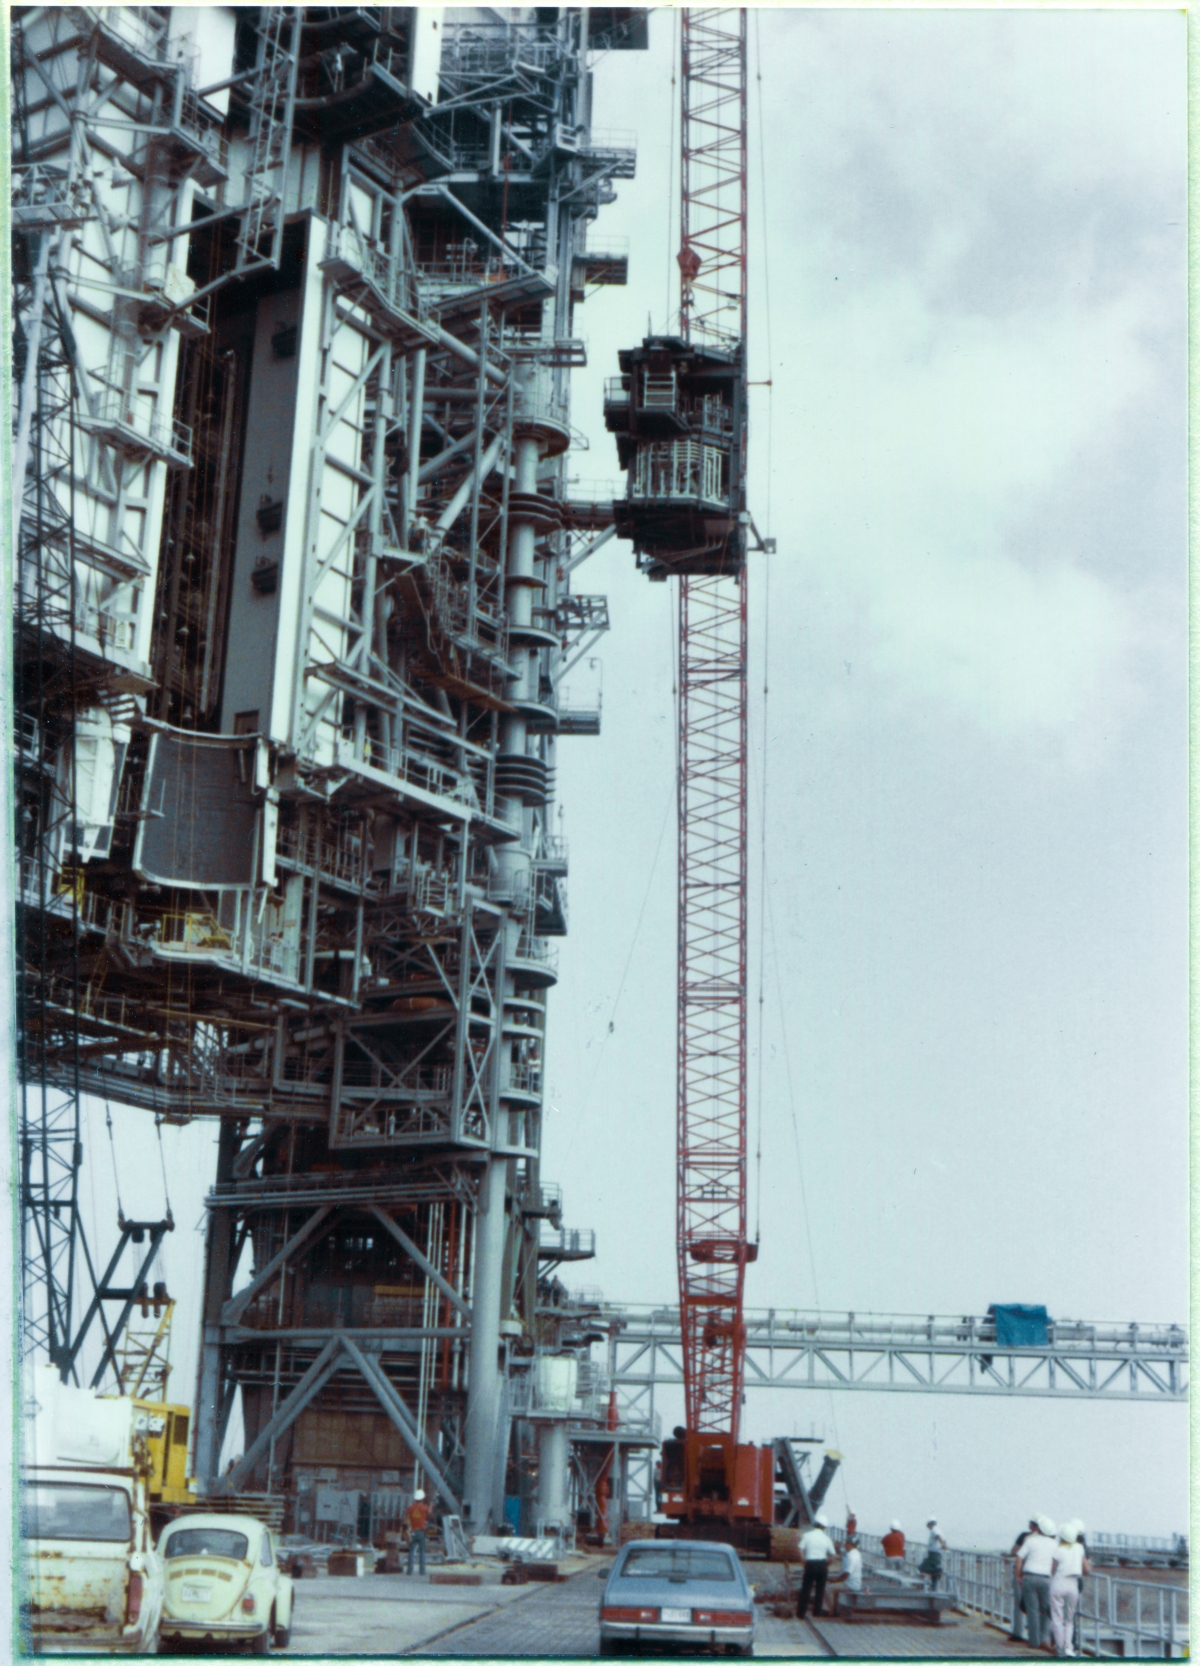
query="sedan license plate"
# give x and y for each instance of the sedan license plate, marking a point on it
(677, 1616)
(195, 1593)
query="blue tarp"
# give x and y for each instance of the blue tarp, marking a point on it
(1019, 1326)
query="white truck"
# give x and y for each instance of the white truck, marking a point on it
(92, 1579)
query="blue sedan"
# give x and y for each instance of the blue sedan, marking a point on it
(687, 1593)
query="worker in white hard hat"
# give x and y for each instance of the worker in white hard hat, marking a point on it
(935, 1545)
(1066, 1579)
(1077, 1641)
(1017, 1634)
(817, 1550)
(418, 1520)
(893, 1545)
(1035, 1560)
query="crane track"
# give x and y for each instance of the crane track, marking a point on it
(819, 1636)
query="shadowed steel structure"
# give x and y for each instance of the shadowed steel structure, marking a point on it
(711, 1082)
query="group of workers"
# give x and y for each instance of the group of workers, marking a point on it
(1049, 1565)
(817, 1550)
(1048, 1568)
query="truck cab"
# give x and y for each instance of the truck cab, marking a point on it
(93, 1582)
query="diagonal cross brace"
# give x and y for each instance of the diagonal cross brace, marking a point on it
(233, 1309)
(403, 1420)
(422, 1261)
(327, 1362)
(108, 1357)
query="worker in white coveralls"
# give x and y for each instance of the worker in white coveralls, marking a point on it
(1066, 1576)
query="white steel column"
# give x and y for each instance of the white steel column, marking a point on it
(553, 1473)
(484, 1385)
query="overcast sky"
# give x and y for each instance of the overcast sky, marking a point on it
(972, 456)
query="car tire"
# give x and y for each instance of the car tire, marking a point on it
(261, 1642)
(283, 1636)
(611, 1645)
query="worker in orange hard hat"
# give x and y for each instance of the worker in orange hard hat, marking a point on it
(418, 1521)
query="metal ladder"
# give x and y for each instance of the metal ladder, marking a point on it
(272, 111)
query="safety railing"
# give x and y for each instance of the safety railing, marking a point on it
(1117, 1617)
(580, 1241)
(538, 952)
(110, 630)
(659, 392)
(594, 491)
(358, 1074)
(678, 469)
(1135, 1545)
(135, 26)
(481, 49)
(127, 422)
(523, 1078)
(614, 150)
(43, 195)
(340, 859)
(544, 1200)
(425, 889)
(383, 272)
(552, 854)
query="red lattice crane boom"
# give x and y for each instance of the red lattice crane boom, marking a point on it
(679, 412)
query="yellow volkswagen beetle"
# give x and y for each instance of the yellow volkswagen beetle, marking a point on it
(224, 1584)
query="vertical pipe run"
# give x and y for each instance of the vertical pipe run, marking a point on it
(483, 1387)
(416, 418)
(553, 1452)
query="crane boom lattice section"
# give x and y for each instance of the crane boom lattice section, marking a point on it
(712, 997)
(711, 1111)
(712, 257)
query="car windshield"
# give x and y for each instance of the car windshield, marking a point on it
(61, 1511)
(677, 1564)
(207, 1541)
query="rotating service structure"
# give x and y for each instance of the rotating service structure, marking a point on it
(295, 298)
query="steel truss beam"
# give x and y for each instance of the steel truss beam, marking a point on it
(911, 1355)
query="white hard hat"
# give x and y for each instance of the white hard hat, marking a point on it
(1068, 1533)
(895, 1527)
(821, 1519)
(1046, 1526)
(418, 1494)
(932, 1522)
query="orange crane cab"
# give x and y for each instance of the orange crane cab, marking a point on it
(715, 1488)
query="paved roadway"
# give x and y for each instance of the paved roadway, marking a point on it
(390, 1614)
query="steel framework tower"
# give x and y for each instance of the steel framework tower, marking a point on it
(711, 1070)
(679, 411)
(295, 291)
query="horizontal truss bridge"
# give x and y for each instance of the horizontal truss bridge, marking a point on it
(912, 1354)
